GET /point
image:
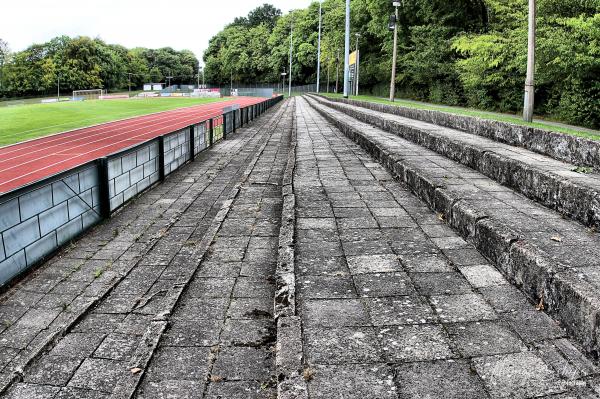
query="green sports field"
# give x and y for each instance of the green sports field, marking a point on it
(26, 122)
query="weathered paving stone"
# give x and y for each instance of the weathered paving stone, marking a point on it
(517, 375)
(343, 345)
(426, 263)
(76, 393)
(52, 370)
(243, 363)
(326, 287)
(447, 379)
(335, 313)
(383, 284)
(179, 363)
(116, 347)
(373, 264)
(414, 343)
(534, 326)
(484, 338)
(462, 307)
(250, 308)
(352, 381)
(241, 390)
(98, 374)
(253, 333)
(193, 333)
(440, 283)
(27, 391)
(77, 345)
(171, 389)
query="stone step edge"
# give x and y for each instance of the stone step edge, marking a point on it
(573, 302)
(561, 146)
(288, 347)
(573, 200)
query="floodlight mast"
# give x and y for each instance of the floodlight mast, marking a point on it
(529, 81)
(319, 47)
(396, 4)
(347, 52)
(291, 48)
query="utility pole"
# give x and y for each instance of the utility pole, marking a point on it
(530, 80)
(291, 47)
(347, 51)
(396, 4)
(337, 71)
(357, 70)
(319, 47)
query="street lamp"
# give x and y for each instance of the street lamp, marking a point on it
(319, 48)
(357, 61)
(394, 25)
(529, 81)
(347, 51)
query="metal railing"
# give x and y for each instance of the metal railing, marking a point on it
(39, 218)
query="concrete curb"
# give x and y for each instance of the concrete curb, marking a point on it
(561, 146)
(566, 196)
(574, 302)
(288, 349)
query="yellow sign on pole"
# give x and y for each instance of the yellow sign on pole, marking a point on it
(353, 58)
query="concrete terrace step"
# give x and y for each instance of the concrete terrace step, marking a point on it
(553, 260)
(552, 182)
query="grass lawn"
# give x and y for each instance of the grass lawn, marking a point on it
(554, 126)
(26, 122)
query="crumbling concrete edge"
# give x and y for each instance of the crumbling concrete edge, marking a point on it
(572, 149)
(566, 196)
(128, 384)
(568, 298)
(288, 349)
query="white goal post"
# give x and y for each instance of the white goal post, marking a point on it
(93, 94)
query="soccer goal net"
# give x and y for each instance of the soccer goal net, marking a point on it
(94, 94)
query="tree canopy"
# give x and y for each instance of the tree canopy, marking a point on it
(463, 52)
(86, 63)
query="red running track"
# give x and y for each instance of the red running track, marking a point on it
(30, 161)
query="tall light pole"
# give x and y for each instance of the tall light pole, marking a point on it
(347, 51)
(337, 71)
(58, 89)
(396, 4)
(357, 62)
(319, 47)
(529, 81)
(291, 48)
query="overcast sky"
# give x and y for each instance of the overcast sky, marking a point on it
(181, 24)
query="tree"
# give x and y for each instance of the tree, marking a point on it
(264, 15)
(4, 59)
